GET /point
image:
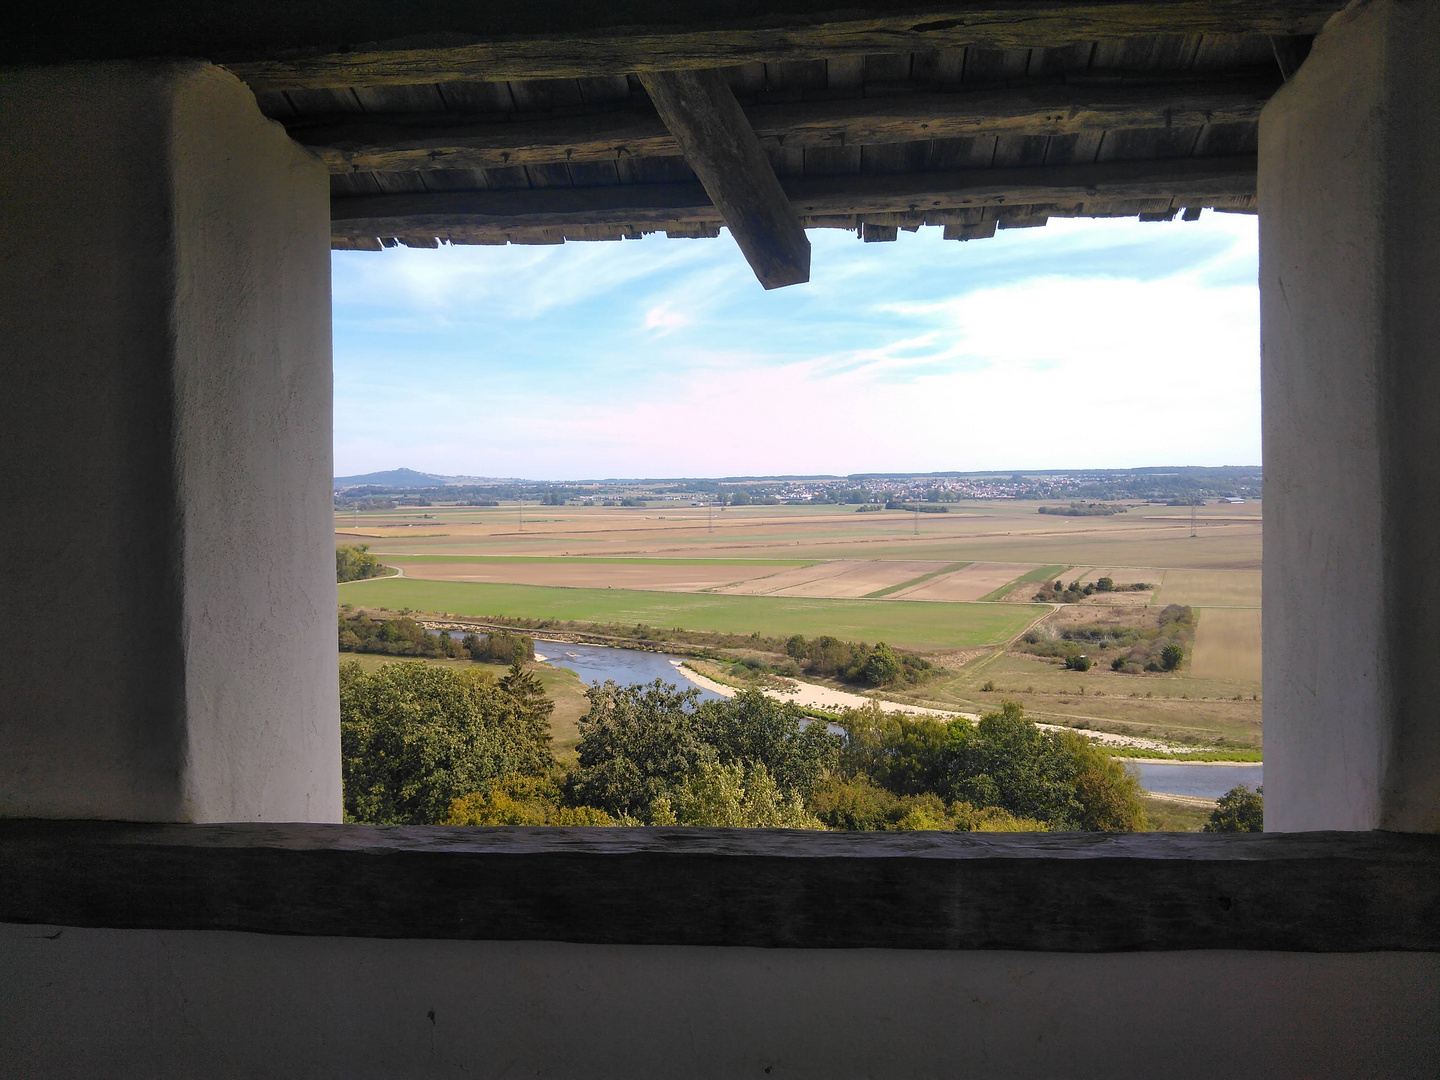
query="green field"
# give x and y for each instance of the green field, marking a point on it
(910, 624)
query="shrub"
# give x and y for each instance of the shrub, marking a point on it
(1005, 762)
(355, 563)
(733, 796)
(499, 645)
(1077, 663)
(1171, 656)
(393, 637)
(522, 800)
(1239, 810)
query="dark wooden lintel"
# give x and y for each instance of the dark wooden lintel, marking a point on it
(291, 45)
(416, 142)
(1190, 182)
(1319, 892)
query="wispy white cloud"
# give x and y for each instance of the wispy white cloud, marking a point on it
(1081, 344)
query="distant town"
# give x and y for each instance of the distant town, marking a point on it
(1174, 486)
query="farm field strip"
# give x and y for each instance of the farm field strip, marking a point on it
(892, 589)
(666, 577)
(973, 581)
(909, 625)
(785, 579)
(858, 579)
(1035, 576)
(417, 557)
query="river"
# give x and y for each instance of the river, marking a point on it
(1202, 779)
(596, 663)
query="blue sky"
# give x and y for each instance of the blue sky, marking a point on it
(1084, 344)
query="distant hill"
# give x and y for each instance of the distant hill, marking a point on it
(393, 478)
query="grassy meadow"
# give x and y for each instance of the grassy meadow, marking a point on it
(909, 624)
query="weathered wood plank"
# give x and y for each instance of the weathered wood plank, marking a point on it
(710, 127)
(286, 44)
(1193, 182)
(1053, 892)
(786, 35)
(439, 141)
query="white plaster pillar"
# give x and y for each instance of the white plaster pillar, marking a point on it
(165, 524)
(1350, 298)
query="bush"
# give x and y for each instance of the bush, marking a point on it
(1076, 662)
(393, 637)
(414, 737)
(1059, 777)
(1239, 810)
(522, 800)
(499, 645)
(356, 563)
(733, 796)
(1171, 655)
(860, 805)
(1005, 762)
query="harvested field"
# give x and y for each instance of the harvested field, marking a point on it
(782, 580)
(856, 579)
(974, 581)
(1227, 646)
(1210, 588)
(667, 577)
(994, 531)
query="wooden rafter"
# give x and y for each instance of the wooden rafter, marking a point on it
(701, 112)
(417, 142)
(1190, 182)
(308, 44)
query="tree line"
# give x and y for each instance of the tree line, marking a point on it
(358, 632)
(424, 744)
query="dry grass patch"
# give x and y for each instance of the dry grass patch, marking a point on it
(1211, 588)
(1227, 646)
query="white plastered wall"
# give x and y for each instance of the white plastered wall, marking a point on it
(1350, 291)
(153, 1004)
(165, 318)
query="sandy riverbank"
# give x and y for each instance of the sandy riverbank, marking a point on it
(811, 695)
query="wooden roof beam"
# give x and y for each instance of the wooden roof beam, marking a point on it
(710, 128)
(415, 142)
(1187, 181)
(310, 44)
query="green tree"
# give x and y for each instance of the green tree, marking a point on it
(904, 754)
(637, 743)
(353, 563)
(752, 729)
(1238, 810)
(528, 693)
(1171, 656)
(882, 667)
(414, 737)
